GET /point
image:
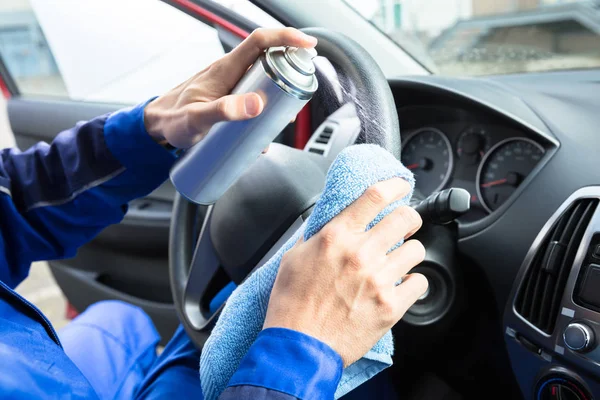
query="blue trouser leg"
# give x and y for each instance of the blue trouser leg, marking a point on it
(114, 345)
(175, 373)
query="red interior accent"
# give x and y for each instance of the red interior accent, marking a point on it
(71, 312)
(196, 9)
(302, 129)
(4, 89)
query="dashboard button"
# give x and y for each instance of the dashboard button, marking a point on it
(578, 337)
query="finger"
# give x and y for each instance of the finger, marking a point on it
(400, 261)
(397, 225)
(244, 55)
(236, 107)
(363, 210)
(408, 292)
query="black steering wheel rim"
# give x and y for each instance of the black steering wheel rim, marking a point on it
(377, 112)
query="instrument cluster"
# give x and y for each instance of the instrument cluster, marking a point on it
(489, 160)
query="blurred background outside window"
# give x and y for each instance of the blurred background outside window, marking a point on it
(485, 37)
(120, 51)
(124, 51)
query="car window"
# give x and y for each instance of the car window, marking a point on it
(488, 37)
(120, 51)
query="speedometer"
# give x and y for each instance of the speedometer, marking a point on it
(428, 153)
(503, 169)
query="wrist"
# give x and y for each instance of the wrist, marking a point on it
(152, 122)
(126, 137)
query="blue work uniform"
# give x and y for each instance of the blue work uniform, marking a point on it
(55, 198)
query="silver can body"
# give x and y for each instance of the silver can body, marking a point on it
(206, 170)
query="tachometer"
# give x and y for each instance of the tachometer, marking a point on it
(503, 169)
(428, 153)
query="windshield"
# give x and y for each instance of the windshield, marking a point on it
(486, 37)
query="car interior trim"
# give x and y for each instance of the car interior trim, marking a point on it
(497, 108)
(204, 13)
(8, 87)
(517, 323)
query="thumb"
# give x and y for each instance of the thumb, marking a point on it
(235, 107)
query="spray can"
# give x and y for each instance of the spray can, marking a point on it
(285, 79)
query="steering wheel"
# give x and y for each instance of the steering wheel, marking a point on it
(270, 201)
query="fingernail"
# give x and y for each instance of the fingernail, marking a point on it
(310, 39)
(252, 105)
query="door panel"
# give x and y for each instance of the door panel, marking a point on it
(128, 261)
(34, 120)
(86, 288)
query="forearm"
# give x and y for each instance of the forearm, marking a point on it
(284, 365)
(55, 198)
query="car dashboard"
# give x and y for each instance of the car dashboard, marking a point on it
(528, 251)
(526, 148)
(449, 146)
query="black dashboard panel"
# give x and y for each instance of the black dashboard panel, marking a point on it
(561, 112)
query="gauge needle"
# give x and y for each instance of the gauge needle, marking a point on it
(494, 183)
(424, 164)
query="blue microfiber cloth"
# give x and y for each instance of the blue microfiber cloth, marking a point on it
(353, 171)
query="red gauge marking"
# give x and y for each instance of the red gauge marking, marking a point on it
(494, 183)
(413, 166)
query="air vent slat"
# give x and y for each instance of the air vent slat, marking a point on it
(536, 297)
(573, 241)
(552, 263)
(525, 301)
(541, 291)
(534, 293)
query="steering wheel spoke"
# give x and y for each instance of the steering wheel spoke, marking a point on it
(203, 268)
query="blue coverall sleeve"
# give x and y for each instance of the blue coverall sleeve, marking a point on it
(282, 365)
(55, 198)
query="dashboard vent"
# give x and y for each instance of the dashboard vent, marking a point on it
(540, 294)
(321, 141)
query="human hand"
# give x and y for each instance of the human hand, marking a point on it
(185, 114)
(339, 285)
